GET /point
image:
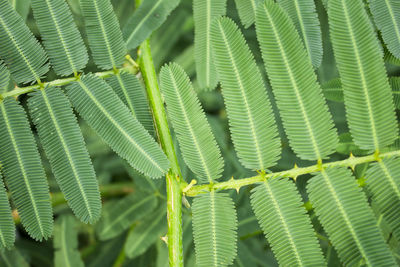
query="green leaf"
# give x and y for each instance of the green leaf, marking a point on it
(196, 140)
(333, 90)
(305, 115)
(131, 92)
(66, 243)
(7, 227)
(343, 210)
(304, 16)
(252, 124)
(214, 229)
(383, 180)
(247, 11)
(204, 12)
(12, 258)
(4, 77)
(60, 35)
(367, 96)
(65, 148)
(146, 233)
(22, 7)
(23, 171)
(146, 19)
(104, 35)
(119, 216)
(395, 84)
(19, 49)
(111, 119)
(288, 229)
(386, 14)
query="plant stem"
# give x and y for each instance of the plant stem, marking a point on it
(293, 173)
(174, 192)
(128, 66)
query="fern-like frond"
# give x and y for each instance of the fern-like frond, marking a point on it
(4, 77)
(304, 15)
(23, 171)
(146, 19)
(104, 35)
(247, 11)
(252, 124)
(196, 140)
(367, 96)
(278, 208)
(7, 227)
(65, 242)
(204, 12)
(305, 115)
(386, 15)
(19, 49)
(131, 92)
(111, 119)
(333, 90)
(65, 148)
(151, 228)
(118, 216)
(343, 210)
(13, 257)
(395, 84)
(60, 35)
(214, 229)
(383, 180)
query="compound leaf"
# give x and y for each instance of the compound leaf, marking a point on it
(252, 124)
(7, 227)
(195, 137)
(4, 77)
(23, 171)
(247, 11)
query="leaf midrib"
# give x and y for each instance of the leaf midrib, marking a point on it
(396, 27)
(389, 177)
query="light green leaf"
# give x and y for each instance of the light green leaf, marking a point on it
(305, 115)
(252, 124)
(204, 12)
(304, 15)
(23, 171)
(195, 137)
(343, 210)
(66, 243)
(120, 215)
(278, 208)
(65, 148)
(12, 258)
(22, 7)
(7, 227)
(386, 14)
(214, 229)
(247, 11)
(111, 119)
(103, 32)
(19, 49)
(383, 180)
(367, 96)
(60, 35)
(146, 19)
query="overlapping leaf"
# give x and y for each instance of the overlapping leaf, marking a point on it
(64, 146)
(118, 216)
(196, 140)
(112, 120)
(19, 49)
(247, 11)
(131, 92)
(367, 96)
(252, 124)
(23, 172)
(347, 218)
(7, 227)
(386, 15)
(60, 35)
(305, 115)
(383, 180)
(4, 77)
(278, 208)
(305, 18)
(103, 32)
(214, 229)
(66, 243)
(204, 12)
(146, 19)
